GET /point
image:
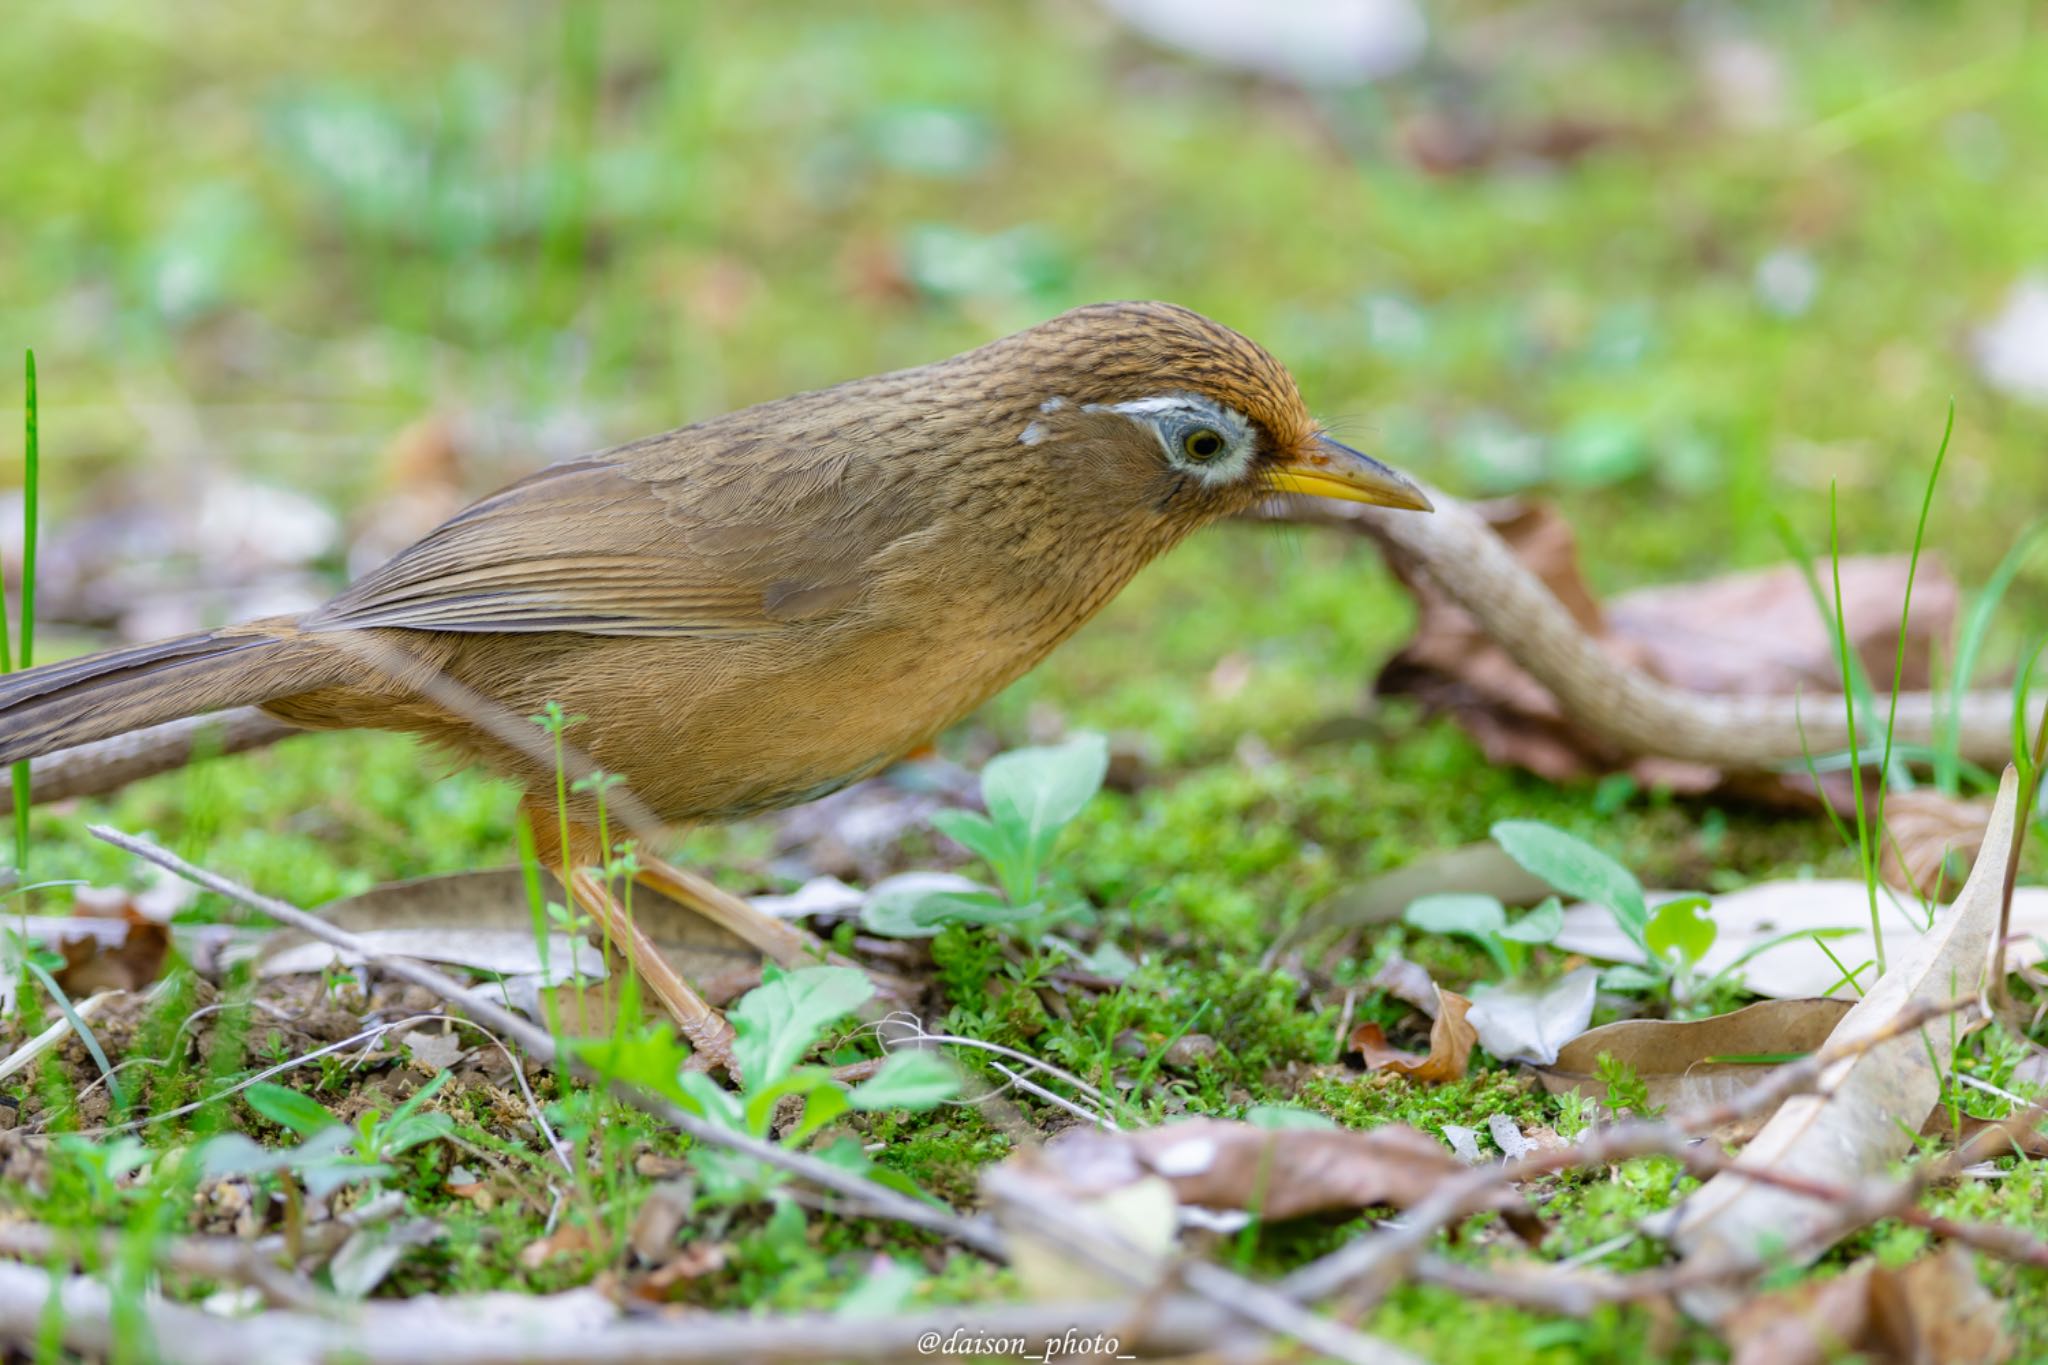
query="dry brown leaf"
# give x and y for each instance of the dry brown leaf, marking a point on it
(1869, 1105)
(1931, 841)
(660, 1219)
(693, 1261)
(1933, 1310)
(1674, 1057)
(111, 942)
(1750, 633)
(1450, 1045)
(570, 1239)
(1407, 982)
(1279, 1173)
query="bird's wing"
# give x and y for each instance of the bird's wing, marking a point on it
(637, 542)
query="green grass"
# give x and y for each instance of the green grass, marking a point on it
(295, 240)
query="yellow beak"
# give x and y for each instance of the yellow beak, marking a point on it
(1325, 469)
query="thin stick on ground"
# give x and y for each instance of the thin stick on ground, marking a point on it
(538, 1044)
(1242, 1298)
(1366, 1268)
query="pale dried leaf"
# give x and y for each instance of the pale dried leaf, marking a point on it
(1675, 1058)
(1278, 1173)
(1465, 1142)
(433, 1051)
(1530, 1023)
(1869, 1105)
(1934, 1309)
(1407, 982)
(1803, 967)
(1931, 840)
(1507, 1135)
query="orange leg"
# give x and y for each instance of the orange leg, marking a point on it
(705, 1029)
(785, 944)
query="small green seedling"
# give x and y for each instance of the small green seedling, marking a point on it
(331, 1154)
(1674, 939)
(1484, 920)
(775, 1025)
(1031, 795)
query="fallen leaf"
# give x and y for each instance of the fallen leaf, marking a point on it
(1507, 1135)
(1804, 967)
(2012, 349)
(1932, 1310)
(1278, 1173)
(1931, 840)
(1309, 42)
(1450, 1045)
(660, 1219)
(1465, 1143)
(128, 955)
(570, 1239)
(433, 1051)
(1684, 1063)
(1408, 982)
(1869, 1106)
(693, 1261)
(372, 1252)
(484, 921)
(1530, 1023)
(1743, 634)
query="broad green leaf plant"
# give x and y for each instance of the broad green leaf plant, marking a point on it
(776, 1024)
(1031, 795)
(1674, 937)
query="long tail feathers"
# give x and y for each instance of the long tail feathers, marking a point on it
(81, 700)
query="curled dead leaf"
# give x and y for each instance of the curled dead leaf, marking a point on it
(1933, 1309)
(1695, 1062)
(1869, 1104)
(1278, 1173)
(1450, 1044)
(1931, 841)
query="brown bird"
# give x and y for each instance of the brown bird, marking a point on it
(757, 610)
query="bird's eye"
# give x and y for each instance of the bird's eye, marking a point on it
(1202, 444)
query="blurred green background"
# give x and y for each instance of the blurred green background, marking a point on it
(1682, 267)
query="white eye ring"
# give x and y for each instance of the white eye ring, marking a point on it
(1183, 421)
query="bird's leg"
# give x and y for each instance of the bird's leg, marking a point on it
(705, 1029)
(785, 944)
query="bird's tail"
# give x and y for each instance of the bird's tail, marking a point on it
(81, 700)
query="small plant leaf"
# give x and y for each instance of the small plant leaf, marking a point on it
(762, 1101)
(1539, 925)
(1035, 792)
(938, 909)
(1576, 868)
(290, 1110)
(821, 1106)
(908, 1080)
(778, 1022)
(1473, 916)
(1627, 977)
(979, 835)
(1680, 930)
(651, 1058)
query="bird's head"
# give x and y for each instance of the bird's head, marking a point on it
(1179, 413)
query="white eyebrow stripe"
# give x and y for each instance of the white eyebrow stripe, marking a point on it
(1234, 426)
